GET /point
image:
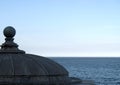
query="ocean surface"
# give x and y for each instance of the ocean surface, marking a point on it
(104, 71)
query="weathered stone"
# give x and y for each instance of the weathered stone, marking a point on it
(19, 68)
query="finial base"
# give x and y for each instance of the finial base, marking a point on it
(9, 46)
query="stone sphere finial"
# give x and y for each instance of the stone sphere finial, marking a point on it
(9, 31)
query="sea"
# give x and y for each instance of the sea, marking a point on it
(103, 71)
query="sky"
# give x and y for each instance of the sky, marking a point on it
(81, 28)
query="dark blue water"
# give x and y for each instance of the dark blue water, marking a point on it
(104, 71)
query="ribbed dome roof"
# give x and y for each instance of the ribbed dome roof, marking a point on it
(29, 65)
(18, 67)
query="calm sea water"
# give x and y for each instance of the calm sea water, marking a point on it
(104, 71)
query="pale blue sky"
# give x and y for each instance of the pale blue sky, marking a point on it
(64, 27)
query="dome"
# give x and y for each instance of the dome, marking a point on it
(17, 67)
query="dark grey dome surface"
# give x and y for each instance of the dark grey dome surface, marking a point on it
(19, 68)
(29, 65)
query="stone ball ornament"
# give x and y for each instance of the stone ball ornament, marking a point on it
(9, 31)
